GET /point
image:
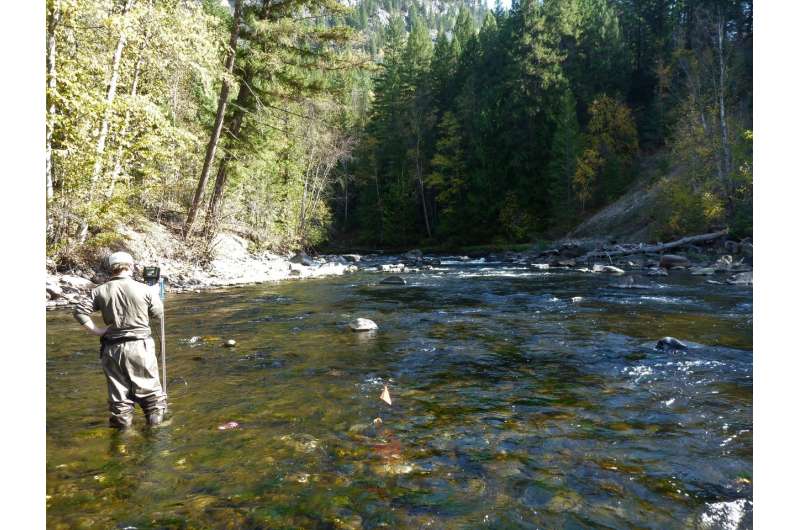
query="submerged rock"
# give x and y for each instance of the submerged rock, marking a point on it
(670, 343)
(352, 258)
(393, 280)
(630, 283)
(363, 324)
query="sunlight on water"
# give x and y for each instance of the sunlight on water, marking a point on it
(512, 406)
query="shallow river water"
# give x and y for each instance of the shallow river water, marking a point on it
(513, 407)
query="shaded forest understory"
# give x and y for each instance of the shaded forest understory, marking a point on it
(392, 123)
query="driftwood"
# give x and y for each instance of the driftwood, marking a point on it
(645, 249)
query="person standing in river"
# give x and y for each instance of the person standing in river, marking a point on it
(127, 350)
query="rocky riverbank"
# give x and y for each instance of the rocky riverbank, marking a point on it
(720, 259)
(233, 264)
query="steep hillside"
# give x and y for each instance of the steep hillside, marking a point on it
(633, 217)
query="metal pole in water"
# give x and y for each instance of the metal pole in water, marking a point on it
(163, 357)
(163, 340)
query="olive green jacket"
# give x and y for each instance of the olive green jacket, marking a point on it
(126, 306)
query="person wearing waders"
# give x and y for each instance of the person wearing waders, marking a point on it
(127, 350)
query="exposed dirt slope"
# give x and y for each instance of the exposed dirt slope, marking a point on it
(632, 217)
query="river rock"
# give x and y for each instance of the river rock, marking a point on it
(352, 258)
(363, 324)
(302, 259)
(670, 343)
(743, 278)
(393, 280)
(53, 290)
(413, 254)
(732, 247)
(608, 269)
(670, 261)
(230, 343)
(724, 263)
(657, 271)
(77, 283)
(392, 267)
(565, 263)
(540, 266)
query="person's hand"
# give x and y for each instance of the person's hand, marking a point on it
(99, 331)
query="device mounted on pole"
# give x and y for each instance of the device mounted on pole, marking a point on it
(152, 276)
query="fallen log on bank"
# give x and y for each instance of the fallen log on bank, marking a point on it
(646, 249)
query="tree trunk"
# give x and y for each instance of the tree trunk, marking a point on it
(723, 120)
(646, 249)
(217, 129)
(242, 100)
(345, 196)
(212, 211)
(51, 95)
(125, 123)
(111, 93)
(422, 191)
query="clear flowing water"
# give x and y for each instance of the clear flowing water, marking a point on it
(513, 407)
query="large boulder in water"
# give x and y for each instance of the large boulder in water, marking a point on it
(363, 324)
(670, 261)
(393, 280)
(352, 258)
(670, 343)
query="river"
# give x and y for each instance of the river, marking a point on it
(513, 407)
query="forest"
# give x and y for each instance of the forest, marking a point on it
(392, 123)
